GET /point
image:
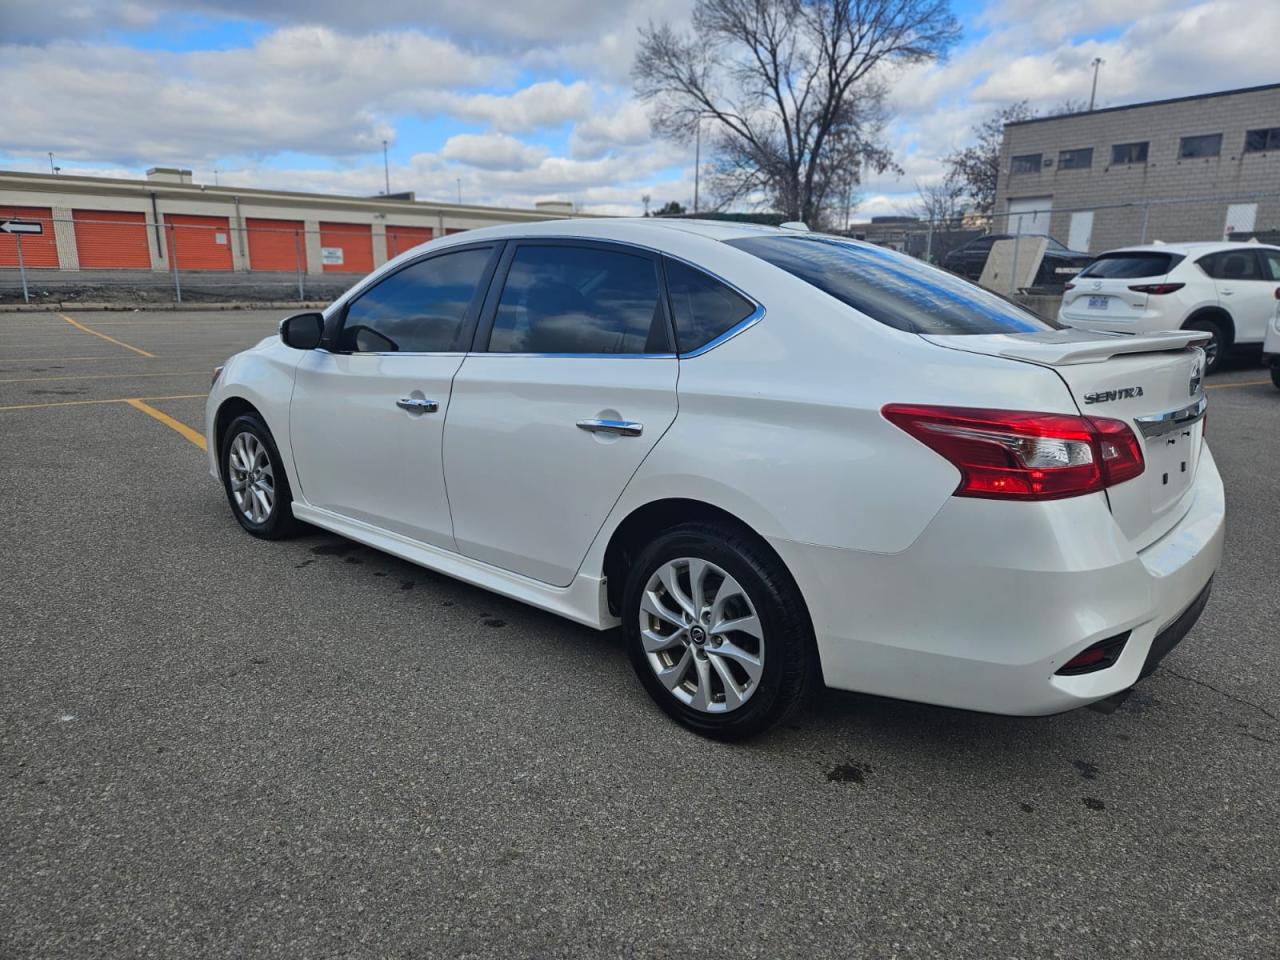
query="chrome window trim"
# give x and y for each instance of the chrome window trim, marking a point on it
(579, 356)
(742, 325)
(1158, 424)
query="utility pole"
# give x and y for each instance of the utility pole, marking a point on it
(459, 191)
(697, 162)
(386, 168)
(1093, 94)
(52, 168)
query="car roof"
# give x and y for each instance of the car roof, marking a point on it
(638, 229)
(1193, 247)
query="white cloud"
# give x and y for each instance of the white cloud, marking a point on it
(492, 151)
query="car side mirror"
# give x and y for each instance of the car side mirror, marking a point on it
(302, 331)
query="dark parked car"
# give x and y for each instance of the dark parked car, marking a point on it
(1058, 266)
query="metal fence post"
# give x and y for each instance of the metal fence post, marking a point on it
(1013, 270)
(22, 268)
(173, 264)
(297, 261)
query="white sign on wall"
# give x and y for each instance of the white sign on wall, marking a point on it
(331, 256)
(1240, 219)
(220, 238)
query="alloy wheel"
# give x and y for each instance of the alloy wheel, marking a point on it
(253, 482)
(702, 635)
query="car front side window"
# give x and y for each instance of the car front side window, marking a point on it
(423, 308)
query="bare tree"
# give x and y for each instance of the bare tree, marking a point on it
(941, 203)
(977, 167)
(792, 88)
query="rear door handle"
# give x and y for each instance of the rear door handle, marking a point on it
(417, 405)
(623, 428)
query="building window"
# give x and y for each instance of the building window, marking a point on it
(1208, 145)
(1265, 139)
(1027, 163)
(1122, 153)
(1081, 159)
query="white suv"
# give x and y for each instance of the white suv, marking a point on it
(1230, 290)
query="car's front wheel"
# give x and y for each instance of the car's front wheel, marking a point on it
(254, 479)
(717, 631)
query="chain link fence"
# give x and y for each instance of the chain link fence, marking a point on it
(1077, 234)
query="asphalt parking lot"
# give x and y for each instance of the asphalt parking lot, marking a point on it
(216, 746)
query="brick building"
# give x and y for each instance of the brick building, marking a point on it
(1193, 168)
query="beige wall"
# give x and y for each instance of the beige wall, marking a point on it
(1102, 187)
(65, 193)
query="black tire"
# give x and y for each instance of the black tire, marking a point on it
(1275, 376)
(280, 522)
(790, 672)
(1216, 348)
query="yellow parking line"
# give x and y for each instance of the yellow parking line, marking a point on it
(81, 403)
(192, 435)
(1246, 383)
(119, 343)
(104, 376)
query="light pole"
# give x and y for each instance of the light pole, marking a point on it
(1093, 94)
(386, 168)
(459, 190)
(697, 156)
(52, 168)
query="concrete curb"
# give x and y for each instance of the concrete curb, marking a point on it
(295, 305)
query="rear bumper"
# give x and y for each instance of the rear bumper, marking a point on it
(991, 601)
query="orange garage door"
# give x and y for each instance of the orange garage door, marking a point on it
(346, 247)
(38, 250)
(400, 239)
(111, 239)
(276, 245)
(203, 243)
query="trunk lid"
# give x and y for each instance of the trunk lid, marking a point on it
(1103, 300)
(1151, 382)
(1102, 293)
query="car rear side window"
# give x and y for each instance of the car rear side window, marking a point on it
(1231, 265)
(1124, 265)
(896, 290)
(1270, 265)
(423, 308)
(703, 307)
(580, 300)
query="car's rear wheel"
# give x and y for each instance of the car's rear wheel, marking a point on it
(1216, 347)
(717, 631)
(254, 480)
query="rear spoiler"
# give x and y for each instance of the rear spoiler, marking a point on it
(1075, 346)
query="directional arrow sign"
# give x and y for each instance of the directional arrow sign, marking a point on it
(21, 226)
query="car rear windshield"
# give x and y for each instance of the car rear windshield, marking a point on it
(1124, 266)
(897, 290)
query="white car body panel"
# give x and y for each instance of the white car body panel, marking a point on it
(912, 592)
(360, 455)
(528, 488)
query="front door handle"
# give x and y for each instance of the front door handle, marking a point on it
(417, 405)
(623, 428)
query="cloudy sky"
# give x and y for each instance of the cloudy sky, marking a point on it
(516, 101)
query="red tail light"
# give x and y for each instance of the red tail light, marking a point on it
(1157, 288)
(1072, 286)
(1019, 455)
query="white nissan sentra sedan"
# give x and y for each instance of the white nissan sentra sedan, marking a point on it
(777, 459)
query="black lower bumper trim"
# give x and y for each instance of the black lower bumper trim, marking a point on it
(1172, 635)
